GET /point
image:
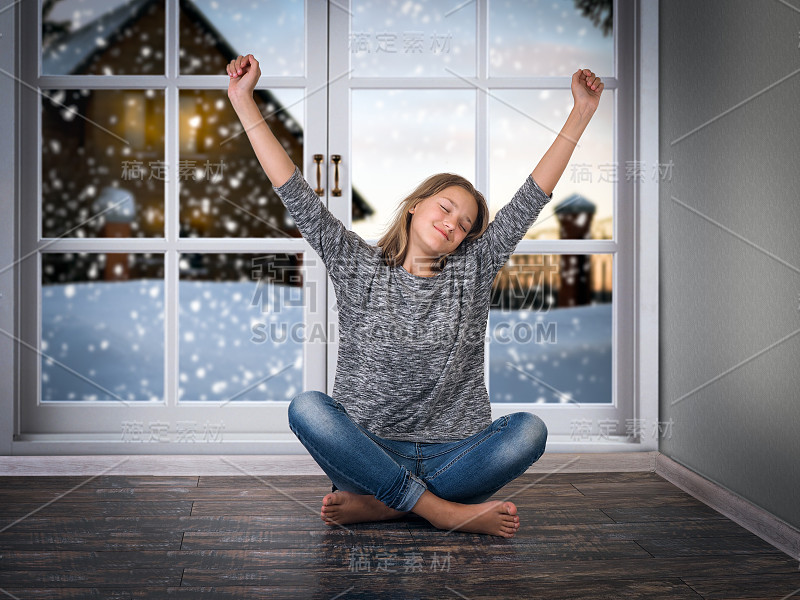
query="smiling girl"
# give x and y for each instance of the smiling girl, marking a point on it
(408, 426)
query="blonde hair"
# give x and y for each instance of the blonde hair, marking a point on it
(394, 242)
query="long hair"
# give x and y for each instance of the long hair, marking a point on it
(394, 242)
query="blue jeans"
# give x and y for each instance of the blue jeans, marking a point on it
(397, 473)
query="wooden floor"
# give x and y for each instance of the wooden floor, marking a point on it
(582, 535)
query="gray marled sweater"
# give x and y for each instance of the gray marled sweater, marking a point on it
(410, 363)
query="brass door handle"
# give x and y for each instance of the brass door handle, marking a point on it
(336, 159)
(318, 159)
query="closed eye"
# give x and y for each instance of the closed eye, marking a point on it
(447, 211)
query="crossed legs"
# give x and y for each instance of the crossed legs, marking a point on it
(378, 488)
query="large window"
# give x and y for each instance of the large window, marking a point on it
(164, 280)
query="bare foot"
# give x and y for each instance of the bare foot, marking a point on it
(494, 517)
(342, 507)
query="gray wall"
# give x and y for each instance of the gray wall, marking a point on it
(730, 245)
(7, 219)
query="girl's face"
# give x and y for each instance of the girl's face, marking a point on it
(441, 222)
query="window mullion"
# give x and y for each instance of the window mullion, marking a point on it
(102, 82)
(482, 135)
(171, 205)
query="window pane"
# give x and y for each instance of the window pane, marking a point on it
(547, 38)
(223, 189)
(213, 32)
(112, 37)
(102, 327)
(241, 327)
(550, 327)
(522, 126)
(400, 137)
(103, 165)
(401, 39)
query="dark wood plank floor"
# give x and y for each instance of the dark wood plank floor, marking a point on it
(598, 535)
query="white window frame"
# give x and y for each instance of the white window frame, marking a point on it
(641, 298)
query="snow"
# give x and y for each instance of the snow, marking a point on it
(116, 331)
(560, 355)
(77, 317)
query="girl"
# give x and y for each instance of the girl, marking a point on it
(410, 427)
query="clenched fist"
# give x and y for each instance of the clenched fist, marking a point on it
(244, 73)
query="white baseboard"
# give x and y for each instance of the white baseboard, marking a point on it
(276, 464)
(60, 444)
(756, 520)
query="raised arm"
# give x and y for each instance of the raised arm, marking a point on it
(244, 73)
(586, 90)
(515, 218)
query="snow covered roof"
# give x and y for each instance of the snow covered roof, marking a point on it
(575, 203)
(69, 53)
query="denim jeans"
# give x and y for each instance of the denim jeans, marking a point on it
(397, 473)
